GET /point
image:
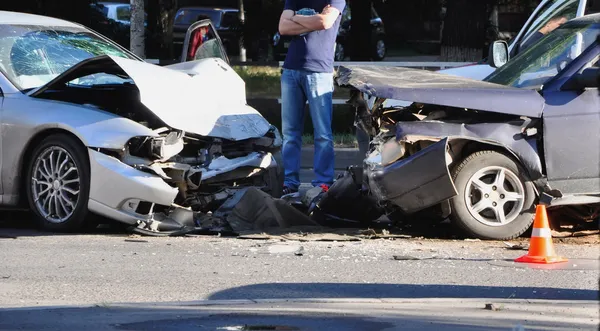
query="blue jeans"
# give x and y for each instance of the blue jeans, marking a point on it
(297, 87)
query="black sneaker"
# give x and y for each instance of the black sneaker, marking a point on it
(289, 192)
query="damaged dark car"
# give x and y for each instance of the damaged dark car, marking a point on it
(484, 153)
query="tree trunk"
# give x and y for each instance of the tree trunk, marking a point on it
(360, 31)
(137, 38)
(464, 32)
(242, 18)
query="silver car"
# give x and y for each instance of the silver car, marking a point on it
(87, 128)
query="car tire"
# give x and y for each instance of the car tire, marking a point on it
(58, 173)
(481, 201)
(379, 49)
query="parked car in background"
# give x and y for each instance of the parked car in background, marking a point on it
(88, 127)
(225, 20)
(544, 12)
(118, 12)
(486, 152)
(344, 41)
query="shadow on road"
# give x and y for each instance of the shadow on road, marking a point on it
(397, 291)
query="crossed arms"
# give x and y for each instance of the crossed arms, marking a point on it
(293, 25)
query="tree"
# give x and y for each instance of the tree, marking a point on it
(464, 32)
(161, 14)
(137, 42)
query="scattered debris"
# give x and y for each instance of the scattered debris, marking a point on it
(493, 307)
(517, 247)
(284, 249)
(412, 258)
(300, 251)
(405, 258)
(470, 239)
(136, 240)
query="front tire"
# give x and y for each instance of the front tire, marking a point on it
(58, 183)
(495, 197)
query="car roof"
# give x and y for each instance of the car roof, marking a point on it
(592, 18)
(9, 17)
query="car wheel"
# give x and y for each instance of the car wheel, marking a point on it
(495, 197)
(339, 52)
(380, 50)
(58, 184)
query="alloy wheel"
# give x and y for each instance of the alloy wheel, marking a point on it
(55, 184)
(495, 196)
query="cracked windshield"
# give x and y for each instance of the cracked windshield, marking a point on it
(547, 58)
(31, 56)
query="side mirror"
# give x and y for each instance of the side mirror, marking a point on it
(588, 78)
(498, 55)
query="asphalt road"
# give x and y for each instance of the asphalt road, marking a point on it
(42, 269)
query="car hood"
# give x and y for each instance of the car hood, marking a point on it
(441, 89)
(204, 97)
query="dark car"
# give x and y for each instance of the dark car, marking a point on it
(343, 42)
(225, 20)
(486, 152)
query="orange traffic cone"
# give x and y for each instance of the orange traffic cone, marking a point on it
(541, 249)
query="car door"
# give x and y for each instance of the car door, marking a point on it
(202, 41)
(571, 131)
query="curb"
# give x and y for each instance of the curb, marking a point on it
(240, 302)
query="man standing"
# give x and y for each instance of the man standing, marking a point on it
(308, 76)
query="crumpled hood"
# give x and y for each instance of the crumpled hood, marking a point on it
(204, 97)
(441, 89)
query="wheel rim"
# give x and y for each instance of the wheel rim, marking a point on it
(55, 184)
(495, 196)
(380, 48)
(339, 52)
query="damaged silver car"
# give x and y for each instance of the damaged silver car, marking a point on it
(89, 128)
(485, 152)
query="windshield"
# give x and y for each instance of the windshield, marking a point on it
(545, 59)
(31, 56)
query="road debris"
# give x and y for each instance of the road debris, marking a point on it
(136, 240)
(493, 307)
(300, 251)
(517, 247)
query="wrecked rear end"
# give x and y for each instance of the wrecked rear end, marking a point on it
(415, 148)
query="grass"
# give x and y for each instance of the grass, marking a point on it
(265, 82)
(340, 140)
